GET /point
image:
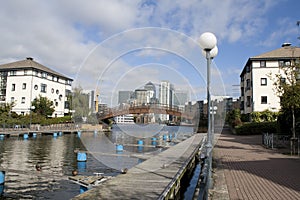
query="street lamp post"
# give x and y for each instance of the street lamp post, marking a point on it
(208, 42)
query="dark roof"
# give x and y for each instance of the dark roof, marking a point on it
(283, 52)
(30, 63)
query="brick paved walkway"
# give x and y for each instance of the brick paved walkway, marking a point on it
(253, 172)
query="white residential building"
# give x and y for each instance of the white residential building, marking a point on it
(258, 75)
(22, 81)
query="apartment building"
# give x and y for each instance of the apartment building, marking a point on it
(257, 78)
(22, 81)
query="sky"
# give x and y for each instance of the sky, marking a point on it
(116, 45)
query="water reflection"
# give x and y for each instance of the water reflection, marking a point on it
(57, 159)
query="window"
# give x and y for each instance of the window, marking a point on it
(57, 91)
(248, 102)
(13, 87)
(248, 69)
(24, 86)
(281, 63)
(56, 103)
(52, 90)
(242, 91)
(13, 73)
(12, 99)
(23, 100)
(25, 71)
(68, 82)
(262, 63)
(264, 99)
(263, 81)
(36, 87)
(282, 80)
(44, 74)
(43, 88)
(248, 84)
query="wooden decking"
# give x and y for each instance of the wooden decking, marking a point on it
(152, 178)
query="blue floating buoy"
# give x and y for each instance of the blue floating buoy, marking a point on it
(55, 134)
(140, 142)
(154, 143)
(154, 139)
(2, 177)
(140, 148)
(25, 136)
(119, 147)
(165, 137)
(78, 133)
(2, 136)
(60, 133)
(170, 136)
(81, 157)
(83, 189)
(81, 167)
(34, 135)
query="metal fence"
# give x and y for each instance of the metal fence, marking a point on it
(284, 142)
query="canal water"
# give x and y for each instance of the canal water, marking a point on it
(57, 159)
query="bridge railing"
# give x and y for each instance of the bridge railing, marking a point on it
(119, 110)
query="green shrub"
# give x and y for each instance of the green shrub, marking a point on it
(256, 128)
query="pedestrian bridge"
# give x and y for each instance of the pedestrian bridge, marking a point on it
(145, 109)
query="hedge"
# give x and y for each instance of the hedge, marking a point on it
(256, 128)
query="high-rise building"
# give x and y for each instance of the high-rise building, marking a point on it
(140, 96)
(180, 98)
(93, 100)
(165, 97)
(151, 92)
(125, 96)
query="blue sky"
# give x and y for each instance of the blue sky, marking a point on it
(106, 45)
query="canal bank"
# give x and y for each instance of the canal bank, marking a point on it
(156, 178)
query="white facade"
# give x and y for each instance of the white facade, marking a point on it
(258, 92)
(165, 97)
(25, 80)
(124, 119)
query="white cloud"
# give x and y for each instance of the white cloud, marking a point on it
(62, 34)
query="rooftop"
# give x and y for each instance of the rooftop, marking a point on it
(30, 63)
(286, 51)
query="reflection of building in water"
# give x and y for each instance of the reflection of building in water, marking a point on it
(19, 153)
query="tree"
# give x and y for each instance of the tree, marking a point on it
(43, 106)
(233, 117)
(287, 87)
(80, 103)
